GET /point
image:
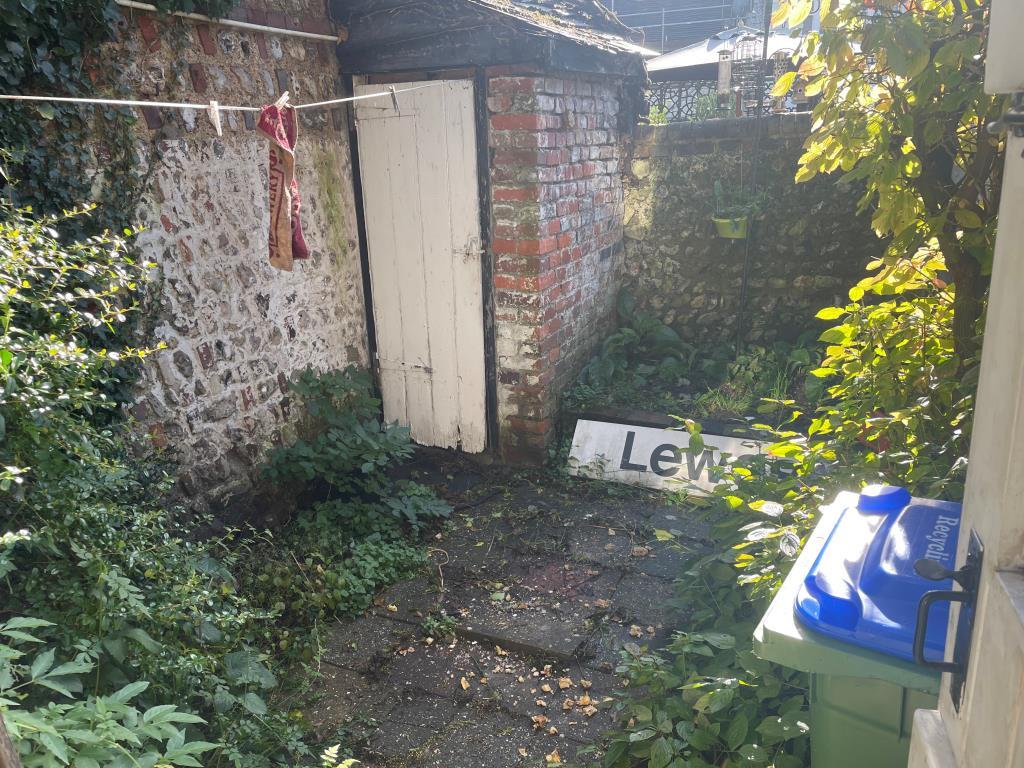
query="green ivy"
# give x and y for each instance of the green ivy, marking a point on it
(52, 152)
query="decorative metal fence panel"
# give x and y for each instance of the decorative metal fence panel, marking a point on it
(683, 102)
(686, 101)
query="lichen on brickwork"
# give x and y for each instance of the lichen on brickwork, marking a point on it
(557, 205)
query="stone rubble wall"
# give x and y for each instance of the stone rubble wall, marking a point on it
(809, 246)
(557, 209)
(235, 329)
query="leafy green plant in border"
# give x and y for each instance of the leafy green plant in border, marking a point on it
(903, 109)
(894, 412)
(77, 729)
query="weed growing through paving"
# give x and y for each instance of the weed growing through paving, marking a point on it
(439, 626)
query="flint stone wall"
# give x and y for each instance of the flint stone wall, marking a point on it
(808, 248)
(235, 329)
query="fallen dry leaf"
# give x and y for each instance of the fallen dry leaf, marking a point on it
(568, 704)
(546, 688)
(589, 711)
(609, 547)
(521, 679)
(547, 670)
(393, 608)
(650, 630)
(635, 631)
(428, 641)
(552, 731)
(483, 681)
(564, 682)
(539, 721)
(602, 603)
(541, 703)
(464, 683)
(583, 701)
(640, 551)
(611, 531)
(500, 651)
(522, 752)
(553, 758)
(585, 685)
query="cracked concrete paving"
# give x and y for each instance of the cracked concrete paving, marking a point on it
(540, 581)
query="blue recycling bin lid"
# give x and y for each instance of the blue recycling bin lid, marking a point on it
(862, 587)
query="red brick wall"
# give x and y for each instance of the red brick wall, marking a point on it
(557, 209)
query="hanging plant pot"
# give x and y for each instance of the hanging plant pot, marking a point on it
(732, 229)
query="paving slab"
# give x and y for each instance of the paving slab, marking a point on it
(664, 560)
(644, 601)
(600, 544)
(481, 739)
(532, 631)
(410, 601)
(437, 670)
(471, 552)
(343, 696)
(412, 724)
(365, 644)
(546, 581)
(603, 651)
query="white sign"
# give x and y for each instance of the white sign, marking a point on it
(656, 458)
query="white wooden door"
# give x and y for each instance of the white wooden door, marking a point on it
(421, 197)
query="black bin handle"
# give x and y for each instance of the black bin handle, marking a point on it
(920, 630)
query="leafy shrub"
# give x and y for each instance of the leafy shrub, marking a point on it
(645, 364)
(315, 574)
(642, 351)
(60, 352)
(183, 664)
(348, 449)
(738, 382)
(898, 411)
(82, 730)
(898, 389)
(657, 115)
(134, 593)
(711, 705)
(331, 559)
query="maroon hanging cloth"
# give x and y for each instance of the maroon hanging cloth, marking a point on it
(278, 123)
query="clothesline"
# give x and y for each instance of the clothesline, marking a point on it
(390, 93)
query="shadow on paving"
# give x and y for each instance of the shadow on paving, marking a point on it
(545, 580)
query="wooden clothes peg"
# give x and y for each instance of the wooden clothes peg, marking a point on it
(213, 111)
